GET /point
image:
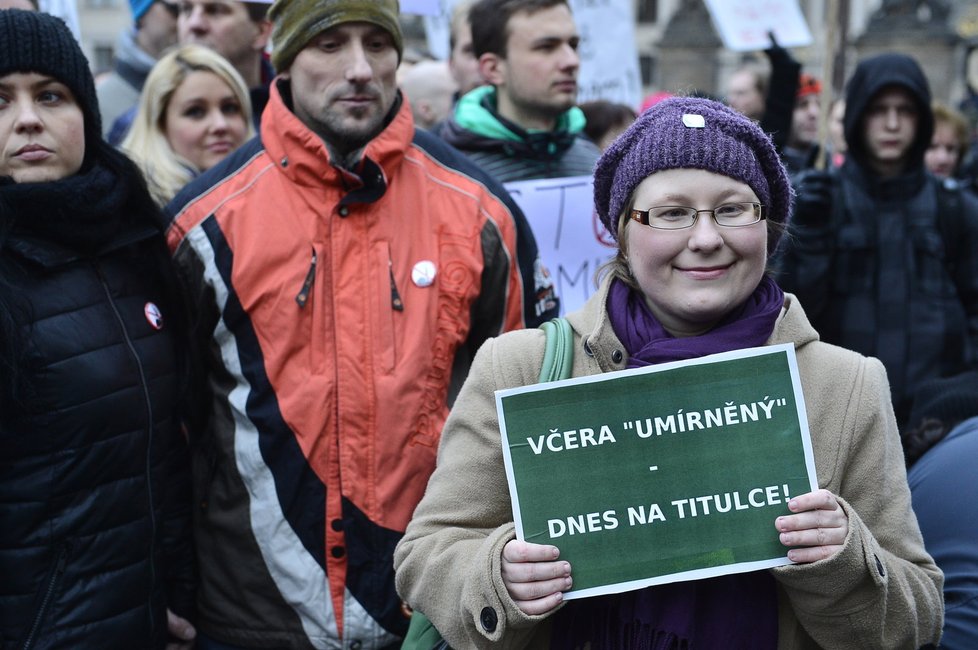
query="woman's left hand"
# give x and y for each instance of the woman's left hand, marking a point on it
(817, 529)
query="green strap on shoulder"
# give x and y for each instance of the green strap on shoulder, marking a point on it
(558, 357)
(422, 635)
(558, 361)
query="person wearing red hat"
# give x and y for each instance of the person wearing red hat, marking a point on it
(799, 148)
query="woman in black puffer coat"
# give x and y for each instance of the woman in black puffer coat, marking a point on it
(95, 543)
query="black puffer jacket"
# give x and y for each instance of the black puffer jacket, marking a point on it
(94, 501)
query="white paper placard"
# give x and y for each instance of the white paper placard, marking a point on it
(743, 25)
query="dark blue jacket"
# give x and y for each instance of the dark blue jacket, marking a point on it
(943, 484)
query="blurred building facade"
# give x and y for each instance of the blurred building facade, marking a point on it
(680, 51)
(101, 22)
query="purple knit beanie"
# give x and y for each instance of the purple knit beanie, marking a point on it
(693, 133)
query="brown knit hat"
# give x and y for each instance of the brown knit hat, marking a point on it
(296, 22)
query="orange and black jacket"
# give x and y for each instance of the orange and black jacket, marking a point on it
(339, 312)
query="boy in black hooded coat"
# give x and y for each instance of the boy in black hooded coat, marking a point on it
(882, 253)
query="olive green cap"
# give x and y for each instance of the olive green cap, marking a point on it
(296, 22)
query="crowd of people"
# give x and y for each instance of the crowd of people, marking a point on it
(260, 284)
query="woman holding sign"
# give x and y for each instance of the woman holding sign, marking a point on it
(698, 199)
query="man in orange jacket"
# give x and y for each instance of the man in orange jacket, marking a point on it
(343, 269)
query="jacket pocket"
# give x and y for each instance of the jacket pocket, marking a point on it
(854, 266)
(930, 272)
(388, 304)
(45, 599)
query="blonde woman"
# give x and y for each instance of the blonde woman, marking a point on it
(194, 110)
(949, 143)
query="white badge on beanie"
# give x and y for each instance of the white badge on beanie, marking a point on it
(694, 121)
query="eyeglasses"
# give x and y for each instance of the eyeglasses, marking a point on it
(677, 217)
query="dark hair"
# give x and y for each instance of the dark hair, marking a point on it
(602, 116)
(257, 11)
(917, 441)
(490, 22)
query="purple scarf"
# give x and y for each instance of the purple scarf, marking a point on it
(648, 343)
(734, 611)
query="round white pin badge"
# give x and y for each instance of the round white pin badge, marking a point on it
(153, 316)
(423, 274)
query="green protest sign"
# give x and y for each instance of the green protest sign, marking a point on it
(666, 473)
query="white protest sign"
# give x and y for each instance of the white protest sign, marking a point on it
(744, 24)
(421, 7)
(609, 57)
(66, 10)
(437, 28)
(572, 241)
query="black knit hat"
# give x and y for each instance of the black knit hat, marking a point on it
(948, 399)
(31, 41)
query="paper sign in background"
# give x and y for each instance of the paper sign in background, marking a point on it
(744, 24)
(772, 455)
(572, 241)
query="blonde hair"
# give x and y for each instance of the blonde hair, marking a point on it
(944, 114)
(166, 172)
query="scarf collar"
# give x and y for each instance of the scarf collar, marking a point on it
(84, 212)
(648, 342)
(477, 111)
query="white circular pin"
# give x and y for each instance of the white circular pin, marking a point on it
(423, 274)
(153, 316)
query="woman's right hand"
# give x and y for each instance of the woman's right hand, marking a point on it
(534, 577)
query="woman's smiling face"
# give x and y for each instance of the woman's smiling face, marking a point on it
(691, 278)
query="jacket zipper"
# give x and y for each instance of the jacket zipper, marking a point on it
(303, 297)
(59, 568)
(149, 440)
(396, 303)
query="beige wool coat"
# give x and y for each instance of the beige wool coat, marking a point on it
(882, 590)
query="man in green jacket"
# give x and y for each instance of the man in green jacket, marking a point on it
(526, 124)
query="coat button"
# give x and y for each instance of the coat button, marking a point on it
(617, 356)
(488, 619)
(879, 566)
(587, 347)
(337, 552)
(344, 210)
(336, 524)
